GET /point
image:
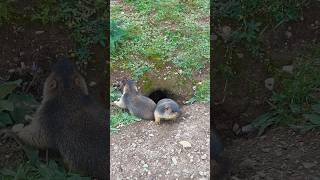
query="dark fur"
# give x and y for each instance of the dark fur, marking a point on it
(172, 104)
(74, 124)
(138, 105)
(221, 171)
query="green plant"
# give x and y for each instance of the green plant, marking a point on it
(170, 33)
(114, 94)
(116, 34)
(119, 118)
(87, 21)
(202, 92)
(45, 13)
(5, 11)
(252, 17)
(14, 106)
(295, 104)
(34, 169)
(138, 69)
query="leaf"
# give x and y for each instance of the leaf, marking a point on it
(313, 118)
(295, 108)
(23, 105)
(7, 172)
(316, 107)
(7, 87)
(32, 155)
(6, 105)
(5, 119)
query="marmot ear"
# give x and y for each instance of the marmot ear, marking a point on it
(52, 84)
(125, 89)
(77, 81)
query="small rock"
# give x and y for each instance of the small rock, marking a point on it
(308, 165)
(240, 55)
(92, 83)
(269, 83)
(174, 160)
(185, 144)
(248, 163)
(151, 135)
(7, 156)
(185, 171)
(39, 32)
(168, 172)
(288, 34)
(265, 150)
(235, 178)
(203, 157)
(288, 68)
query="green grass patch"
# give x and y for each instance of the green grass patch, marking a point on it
(296, 103)
(118, 117)
(168, 32)
(202, 92)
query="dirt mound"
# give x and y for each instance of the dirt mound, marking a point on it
(144, 150)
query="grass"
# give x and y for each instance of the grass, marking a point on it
(202, 92)
(251, 18)
(119, 118)
(160, 32)
(86, 20)
(297, 102)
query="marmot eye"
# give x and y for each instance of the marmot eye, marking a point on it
(52, 84)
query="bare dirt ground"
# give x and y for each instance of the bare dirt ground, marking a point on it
(144, 150)
(279, 154)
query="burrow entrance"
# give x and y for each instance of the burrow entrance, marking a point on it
(159, 94)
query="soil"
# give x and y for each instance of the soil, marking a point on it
(281, 153)
(144, 150)
(27, 52)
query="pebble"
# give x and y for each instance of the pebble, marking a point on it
(185, 144)
(308, 165)
(174, 160)
(92, 83)
(265, 150)
(203, 157)
(288, 34)
(39, 32)
(269, 83)
(287, 68)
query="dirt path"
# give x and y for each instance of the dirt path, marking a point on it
(144, 150)
(280, 154)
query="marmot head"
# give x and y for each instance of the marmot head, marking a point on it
(64, 77)
(130, 87)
